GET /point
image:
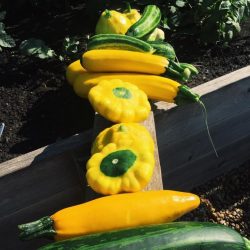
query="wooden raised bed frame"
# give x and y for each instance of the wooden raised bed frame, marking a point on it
(51, 178)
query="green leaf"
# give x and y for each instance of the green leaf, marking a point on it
(70, 46)
(225, 5)
(172, 9)
(36, 47)
(2, 27)
(180, 3)
(165, 23)
(230, 34)
(6, 41)
(2, 15)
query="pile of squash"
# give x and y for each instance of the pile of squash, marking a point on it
(126, 63)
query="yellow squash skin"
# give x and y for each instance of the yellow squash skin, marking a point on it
(73, 70)
(122, 211)
(119, 101)
(133, 15)
(112, 22)
(123, 61)
(156, 87)
(116, 178)
(123, 134)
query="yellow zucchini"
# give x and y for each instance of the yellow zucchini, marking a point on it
(123, 61)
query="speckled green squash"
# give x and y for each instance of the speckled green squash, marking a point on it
(170, 236)
(117, 41)
(149, 20)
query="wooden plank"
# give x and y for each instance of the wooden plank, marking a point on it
(156, 181)
(185, 151)
(26, 160)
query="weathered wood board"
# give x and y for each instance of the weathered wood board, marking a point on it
(48, 179)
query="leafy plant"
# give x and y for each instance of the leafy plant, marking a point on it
(37, 48)
(6, 41)
(211, 20)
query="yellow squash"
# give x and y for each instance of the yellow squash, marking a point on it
(112, 22)
(103, 60)
(132, 14)
(119, 101)
(113, 212)
(74, 70)
(123, 134)
(120, 169)
(156, 87)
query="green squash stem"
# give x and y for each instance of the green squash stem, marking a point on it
(107, 14)
(180, 71)
(35, 229)
(185, 95)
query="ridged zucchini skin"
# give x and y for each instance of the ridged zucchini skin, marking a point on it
(149, 20)
(163, 49)
(169, 236)
(122, 42)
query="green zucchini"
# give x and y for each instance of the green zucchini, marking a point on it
(163, 49)
(116, 41)
(174, 236)
(149, 20)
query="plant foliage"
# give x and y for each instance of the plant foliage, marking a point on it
(37, 48)
(6, 41)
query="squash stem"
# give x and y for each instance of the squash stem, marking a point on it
(204, 111)
(181, 71)
(107, 13)
(185, 95)
(247, 243)
(128, 7)
(41, 227)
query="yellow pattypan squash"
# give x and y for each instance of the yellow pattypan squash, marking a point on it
(73, 71)
(119, 101)
(112, 22)
(120, 169)
(123, 134)
(132, 14)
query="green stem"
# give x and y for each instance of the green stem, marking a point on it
(128, 7)
(107, 13)
(178, 72)
(41, 227)
(204, 111)
(185, 95)
(247, 243)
